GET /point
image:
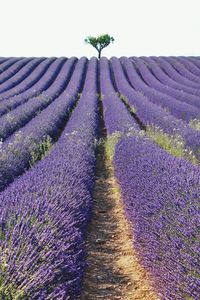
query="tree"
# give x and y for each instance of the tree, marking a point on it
(99, 42)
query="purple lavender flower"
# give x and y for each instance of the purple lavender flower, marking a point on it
(161, 196)
(44, 213)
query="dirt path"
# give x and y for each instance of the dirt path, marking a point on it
(113, 268)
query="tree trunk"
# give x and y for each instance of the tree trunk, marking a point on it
(99, 54)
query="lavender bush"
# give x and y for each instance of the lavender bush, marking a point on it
(152, 115)
(12, 121)
(161, 196)
(116, 116)
(149, 72)
(40, 82)
(16, 85)
(195, 61)
(187, 62)
(6, 63)
(167, 80)
(177, 108)
(12, 69)
(16, 150)
(44, 213)
(175, 79)
(180, 72)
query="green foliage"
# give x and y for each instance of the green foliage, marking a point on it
(40, 150)
(99, 42)
(11, 293)
(172, 144)
(100, 96)
(126, 102)
(195, 124)
(7, 290)
(110, 144)
(113, 139)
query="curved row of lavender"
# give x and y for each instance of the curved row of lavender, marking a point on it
(44, 213)
(9, 70)
(16, 83)
(43, 76)
(188, 63)
(6, 63)
(16, 150)
(153, 115)
(28, 83)
(194, 60)
(179, 109)
(16, 119)
(165, 78)
(5, 59)
(161, 196)
(171, 70)
(182, 69)
(115, 112)
(151, 74)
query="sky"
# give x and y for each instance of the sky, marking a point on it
(139, 27)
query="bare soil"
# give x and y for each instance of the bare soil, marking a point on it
(114, 271)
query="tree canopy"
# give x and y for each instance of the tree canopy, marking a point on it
(99, 42)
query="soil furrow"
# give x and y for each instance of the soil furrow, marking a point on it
(114, 271)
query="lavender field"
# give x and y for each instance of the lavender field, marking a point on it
(66, 122)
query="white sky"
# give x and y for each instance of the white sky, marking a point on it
(140, 27)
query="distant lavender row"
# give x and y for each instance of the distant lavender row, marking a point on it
(13, 69)
(4, 59)
(161, 196)
(171, 70)
(20, 80)
(42, 77)
(116, 116)
(153, 115)
(177, 108)
(166, 78)
(182, 69)
(195, 61)
(16, 151)
(7, 63)
(16, 119)
(155, 78)
(148, 176)
(188, 63)
(44, 213)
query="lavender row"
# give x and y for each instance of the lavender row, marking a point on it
(116, 116)
(177, 108)
(166, 79)
(154, 77)
(189, 65)
(129, 166)
(13, 69)
(16, 85)
(16, 151)
(7, 62)
(183, 67)
(153, 115)
(17, 118)
(44, 213)
(171, 71)
(161, 196)
(195, 61)
(4, 59)
(41, 78)
(170, 68)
